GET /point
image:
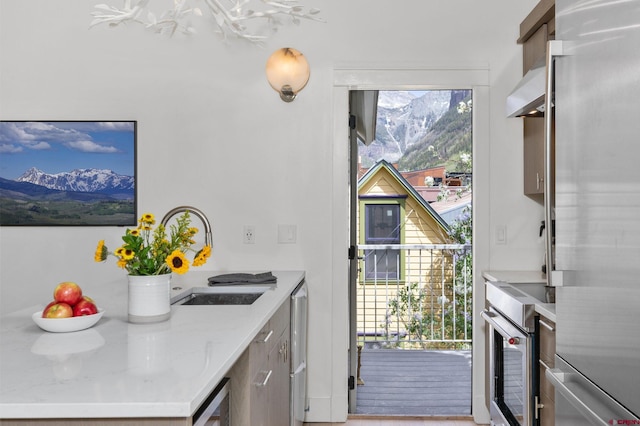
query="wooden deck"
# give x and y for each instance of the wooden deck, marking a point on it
(415, 383)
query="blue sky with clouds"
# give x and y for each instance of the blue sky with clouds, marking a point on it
(62, 146)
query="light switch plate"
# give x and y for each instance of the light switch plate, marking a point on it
(287, 234)
(501, 234)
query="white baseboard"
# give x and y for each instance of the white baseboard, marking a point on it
(327, 409)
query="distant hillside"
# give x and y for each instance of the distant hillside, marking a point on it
(420, 132)
(24, 203)
(442, 145)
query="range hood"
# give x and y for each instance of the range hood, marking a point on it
(527, 99)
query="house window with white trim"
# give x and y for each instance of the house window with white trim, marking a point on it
(382, 227)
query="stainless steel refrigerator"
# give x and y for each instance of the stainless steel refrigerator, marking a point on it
(597, 210)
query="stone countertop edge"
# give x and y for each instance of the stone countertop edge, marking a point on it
(515, 276)
(547, 310)
(120, 370)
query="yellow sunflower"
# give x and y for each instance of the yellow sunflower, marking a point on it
(101, 252)
(145, 249)
(125, 253)
(202, 256)
(177, 262)
(148, 218)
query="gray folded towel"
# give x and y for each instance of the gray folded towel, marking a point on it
(243, 278)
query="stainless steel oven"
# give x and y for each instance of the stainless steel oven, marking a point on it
(512, 323)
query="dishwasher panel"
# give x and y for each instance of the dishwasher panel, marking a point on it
(298, 373)
(214, 411)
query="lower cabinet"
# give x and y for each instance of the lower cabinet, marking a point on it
(260, 378)
(547, 360)
(277, 389)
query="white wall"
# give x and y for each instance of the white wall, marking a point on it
(213, 134)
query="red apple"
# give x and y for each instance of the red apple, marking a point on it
(67, 292)
(49, 305)
(87, 298)
(58, 310)
(84, 307)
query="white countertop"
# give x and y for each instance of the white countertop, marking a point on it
(117, 369)
(515, 276)
(523, 277)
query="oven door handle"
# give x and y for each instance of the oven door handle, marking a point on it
(488, 317)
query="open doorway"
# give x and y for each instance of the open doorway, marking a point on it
(411, 275)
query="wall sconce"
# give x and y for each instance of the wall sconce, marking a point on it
(288, 72)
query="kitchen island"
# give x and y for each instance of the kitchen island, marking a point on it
(118, 370)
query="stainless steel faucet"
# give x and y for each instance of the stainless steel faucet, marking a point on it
(208, 236)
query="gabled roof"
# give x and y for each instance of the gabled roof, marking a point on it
(451, 208)
(410, 189)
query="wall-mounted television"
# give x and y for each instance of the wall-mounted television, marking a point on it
(68, 173)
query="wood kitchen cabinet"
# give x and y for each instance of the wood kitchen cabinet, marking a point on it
(533, 157)
(260, 378)
(535, 31)
(547, 333)
(278, 387)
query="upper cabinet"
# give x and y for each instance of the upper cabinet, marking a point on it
(535, 31)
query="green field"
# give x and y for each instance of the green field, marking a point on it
(66, 213)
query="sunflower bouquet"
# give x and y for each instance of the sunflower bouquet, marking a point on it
(149, 251)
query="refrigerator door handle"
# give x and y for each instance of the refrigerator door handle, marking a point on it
(554, 49)
(593, 404)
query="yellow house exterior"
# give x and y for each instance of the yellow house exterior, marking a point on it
(419, 261)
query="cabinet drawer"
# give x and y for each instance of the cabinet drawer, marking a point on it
(268, 337)
(259, 348)
(546, 388)
(281, 319)
(547, 341)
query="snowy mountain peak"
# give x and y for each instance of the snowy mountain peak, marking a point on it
(80, 180)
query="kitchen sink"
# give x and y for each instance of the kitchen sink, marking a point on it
(225, 295)
(221, 299)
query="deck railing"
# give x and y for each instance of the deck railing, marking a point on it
(415, 296)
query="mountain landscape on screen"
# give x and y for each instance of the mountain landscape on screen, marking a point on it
(79, 197)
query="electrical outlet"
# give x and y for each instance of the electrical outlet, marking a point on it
(249, 234)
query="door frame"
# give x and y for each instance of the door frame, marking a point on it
(473, 77)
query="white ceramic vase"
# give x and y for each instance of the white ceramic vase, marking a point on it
(149, 298)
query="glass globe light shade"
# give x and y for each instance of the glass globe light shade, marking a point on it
(287, 72)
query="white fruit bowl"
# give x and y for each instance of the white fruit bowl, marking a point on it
(65, 325)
